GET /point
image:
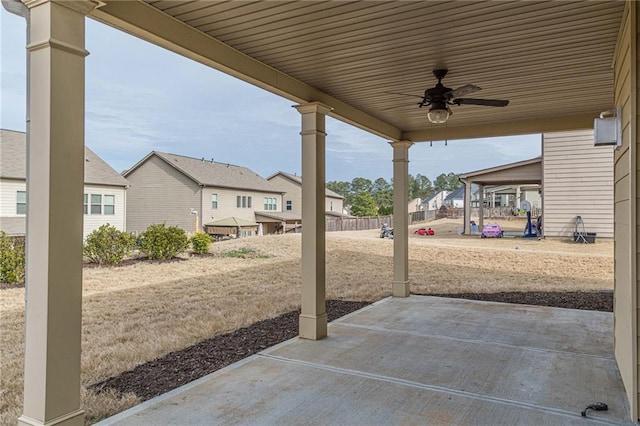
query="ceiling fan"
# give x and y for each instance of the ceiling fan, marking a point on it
(440, 97)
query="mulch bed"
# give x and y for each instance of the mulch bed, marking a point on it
(178, 368)
(163, 374)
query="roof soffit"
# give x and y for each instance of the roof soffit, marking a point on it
(551, 59)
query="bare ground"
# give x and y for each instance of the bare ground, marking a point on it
(139, 312)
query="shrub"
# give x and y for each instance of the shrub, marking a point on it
(107, 245)
(12, 259)
(161, 242)
(200, 242)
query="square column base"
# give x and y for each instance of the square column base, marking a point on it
(313, 327)
(75, 418)
(400, 289)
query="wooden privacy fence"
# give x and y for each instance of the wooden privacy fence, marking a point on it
(488, 212)
(357, 223)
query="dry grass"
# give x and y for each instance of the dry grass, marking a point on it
(135, 313)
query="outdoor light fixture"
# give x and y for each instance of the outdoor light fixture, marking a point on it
(438, 114)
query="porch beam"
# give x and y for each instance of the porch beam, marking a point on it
(507, 128)
(55, 186)
(467, 206)
(313, 316)
(400, 284)
(481, 207)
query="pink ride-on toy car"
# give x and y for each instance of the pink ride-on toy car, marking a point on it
(492, 230)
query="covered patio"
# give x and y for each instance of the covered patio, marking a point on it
(355, 61)
(417, 360)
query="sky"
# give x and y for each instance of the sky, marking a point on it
(141, 98)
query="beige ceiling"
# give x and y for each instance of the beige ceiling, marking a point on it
(552, 60)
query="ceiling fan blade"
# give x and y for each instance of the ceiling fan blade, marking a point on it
(485, 102)
(404, 94)
(462, 91)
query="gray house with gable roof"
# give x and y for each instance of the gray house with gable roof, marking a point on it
(190, 192)
(104, 188)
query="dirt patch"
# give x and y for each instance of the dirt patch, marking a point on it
(156, 377)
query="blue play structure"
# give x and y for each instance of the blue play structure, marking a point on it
(530, 230)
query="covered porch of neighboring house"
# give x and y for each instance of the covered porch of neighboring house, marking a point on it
(231, 227)
(519, 174)
(552, 60)
(279, 222)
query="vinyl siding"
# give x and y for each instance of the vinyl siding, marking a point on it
(293, 193)
(94, 221)
(578, 181)
(227, 205)
(13, 223)
(160, 194)
(625, 251)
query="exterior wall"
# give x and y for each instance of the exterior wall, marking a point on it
(626, 199)
(435, 202)
(415, 205)
(13, 223)
(333, 204)
(227, 204)
(293, 193)
(160, 194)
(94, 221)
(578, 181)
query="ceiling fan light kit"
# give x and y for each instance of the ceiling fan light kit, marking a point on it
(438, 115)
(440, 97)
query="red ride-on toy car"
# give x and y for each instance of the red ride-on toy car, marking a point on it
(492, 230)
(424, 231)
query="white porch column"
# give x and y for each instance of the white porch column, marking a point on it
(401, 218)
(55, 176)
(313, 317)
(467, 207)
(480, 207)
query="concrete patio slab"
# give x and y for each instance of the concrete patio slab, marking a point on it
(419, 360)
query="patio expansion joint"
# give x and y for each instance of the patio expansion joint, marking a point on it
(440, 389)
(477, 341)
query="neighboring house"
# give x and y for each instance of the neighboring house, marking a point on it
(191, 193)
(415, 205)
(576, 179)
(291, 185)
(104, 188)
(435, 201)
(455, 198)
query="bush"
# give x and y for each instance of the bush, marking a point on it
(12, 259)
(107, 245)
(200, 242)
(161, 242)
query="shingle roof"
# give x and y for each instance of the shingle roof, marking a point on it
(210, 173)
(457, 194)
(13, 162)
(298, 180)
(231, 221)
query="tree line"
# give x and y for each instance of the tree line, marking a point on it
(371, 198)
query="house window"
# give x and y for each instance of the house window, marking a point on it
(21, 202)
(85, 206)
(214, 201)
(270, 203)
(96, 204)
(243, 201)
(289, 205)
(109, 204)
